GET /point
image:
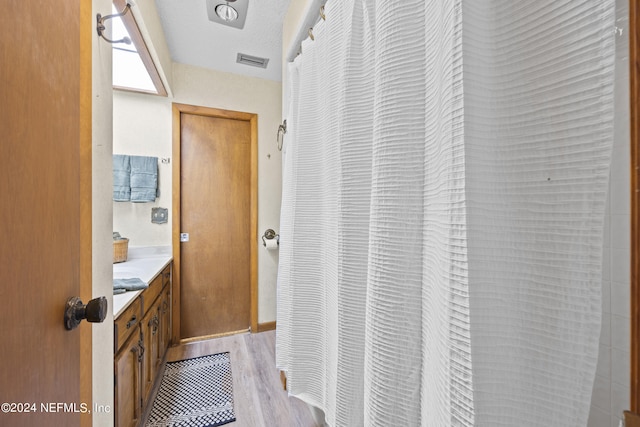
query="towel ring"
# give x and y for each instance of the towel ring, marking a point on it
(282, 129)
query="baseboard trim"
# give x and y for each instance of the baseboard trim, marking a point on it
(209, 337)
(267, 326)
(262, 327)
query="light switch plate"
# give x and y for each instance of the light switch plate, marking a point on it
(159, 215)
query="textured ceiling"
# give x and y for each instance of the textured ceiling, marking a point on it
(195, 40)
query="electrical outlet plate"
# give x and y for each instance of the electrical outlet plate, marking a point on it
(159, 215)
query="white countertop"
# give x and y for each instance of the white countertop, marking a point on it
(144, 263)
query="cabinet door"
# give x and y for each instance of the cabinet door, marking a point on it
(150, 338)
(128, 403)
(165, 321)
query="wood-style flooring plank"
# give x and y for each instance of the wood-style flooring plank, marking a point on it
(259, 399)
(277, 407)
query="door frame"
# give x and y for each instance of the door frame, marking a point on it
(634, 119)
(86, 200)
(177, 110)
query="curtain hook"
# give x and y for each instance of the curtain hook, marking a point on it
(322, 15)
(100, 27)
(311, 34)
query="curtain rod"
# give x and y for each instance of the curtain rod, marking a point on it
(311, 17)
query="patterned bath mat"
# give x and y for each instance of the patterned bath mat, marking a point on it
(195, 393)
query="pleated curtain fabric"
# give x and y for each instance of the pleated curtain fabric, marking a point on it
(444, 184)
(538, 87)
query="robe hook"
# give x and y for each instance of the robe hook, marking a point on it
(100, 27)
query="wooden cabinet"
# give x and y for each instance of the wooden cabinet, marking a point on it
(126, 324)
(151, 339)
(127, 377)
(141, 335)
(165, 317)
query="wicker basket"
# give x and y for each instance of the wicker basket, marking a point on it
(120, 249)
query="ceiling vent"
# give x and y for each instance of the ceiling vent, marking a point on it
(254, 61)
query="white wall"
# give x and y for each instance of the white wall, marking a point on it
(137, 131)
(293, 20)
(612, 384)
(102, 246)
(142, 126)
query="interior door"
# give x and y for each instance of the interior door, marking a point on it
(217, 210)
(45, 218)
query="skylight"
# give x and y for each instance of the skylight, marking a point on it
(129, 70)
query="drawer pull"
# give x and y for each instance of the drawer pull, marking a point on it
(132, 321)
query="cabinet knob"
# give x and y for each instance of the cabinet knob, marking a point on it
(95, 311)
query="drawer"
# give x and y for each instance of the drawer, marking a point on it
(126, 323)
(150, 294)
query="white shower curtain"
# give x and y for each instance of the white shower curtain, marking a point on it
(445, 175)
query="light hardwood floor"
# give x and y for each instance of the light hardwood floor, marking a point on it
(259, 399)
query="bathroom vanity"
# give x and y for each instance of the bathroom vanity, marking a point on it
(142, 322)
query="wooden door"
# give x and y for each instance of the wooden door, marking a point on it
(45, 218)
(217, 207)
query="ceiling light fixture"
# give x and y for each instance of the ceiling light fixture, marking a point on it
(226, 12)
(232, 13)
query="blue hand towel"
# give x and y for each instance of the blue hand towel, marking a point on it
(134, 284)
(121, 178)
(144, 178)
